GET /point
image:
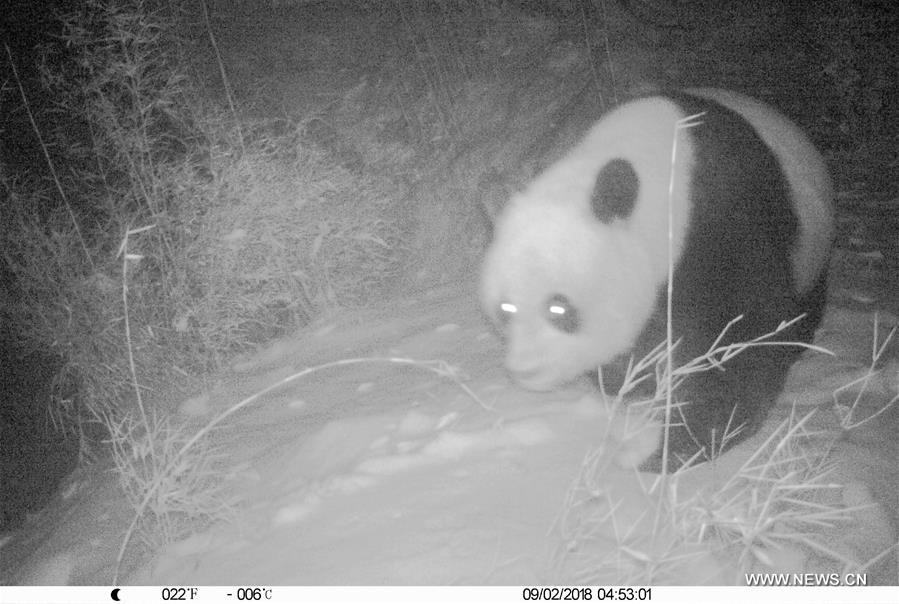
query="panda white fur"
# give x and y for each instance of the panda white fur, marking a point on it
(575, 275)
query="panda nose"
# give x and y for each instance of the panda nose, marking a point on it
(521, 367)
(523, 375)
(531, 378)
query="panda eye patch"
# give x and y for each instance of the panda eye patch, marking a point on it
(562, 314)
(506, 310)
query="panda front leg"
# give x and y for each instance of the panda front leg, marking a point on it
(719, 408)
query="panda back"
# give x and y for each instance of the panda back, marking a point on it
(810, 186)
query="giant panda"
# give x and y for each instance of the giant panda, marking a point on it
(576, 274)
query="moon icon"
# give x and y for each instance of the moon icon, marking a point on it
(114, 594)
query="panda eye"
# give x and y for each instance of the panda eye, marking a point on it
(506, 310)
(562, 314)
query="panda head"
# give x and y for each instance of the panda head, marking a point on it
(577, 259)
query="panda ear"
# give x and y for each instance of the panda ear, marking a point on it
(615, 191)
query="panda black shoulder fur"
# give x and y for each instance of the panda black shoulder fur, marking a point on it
(576, 273)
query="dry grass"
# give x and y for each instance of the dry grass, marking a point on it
(849, 400)
(774, 508)
(252, 229)
(170, 234)
(171, 487)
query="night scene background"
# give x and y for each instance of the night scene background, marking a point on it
(200, 200)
